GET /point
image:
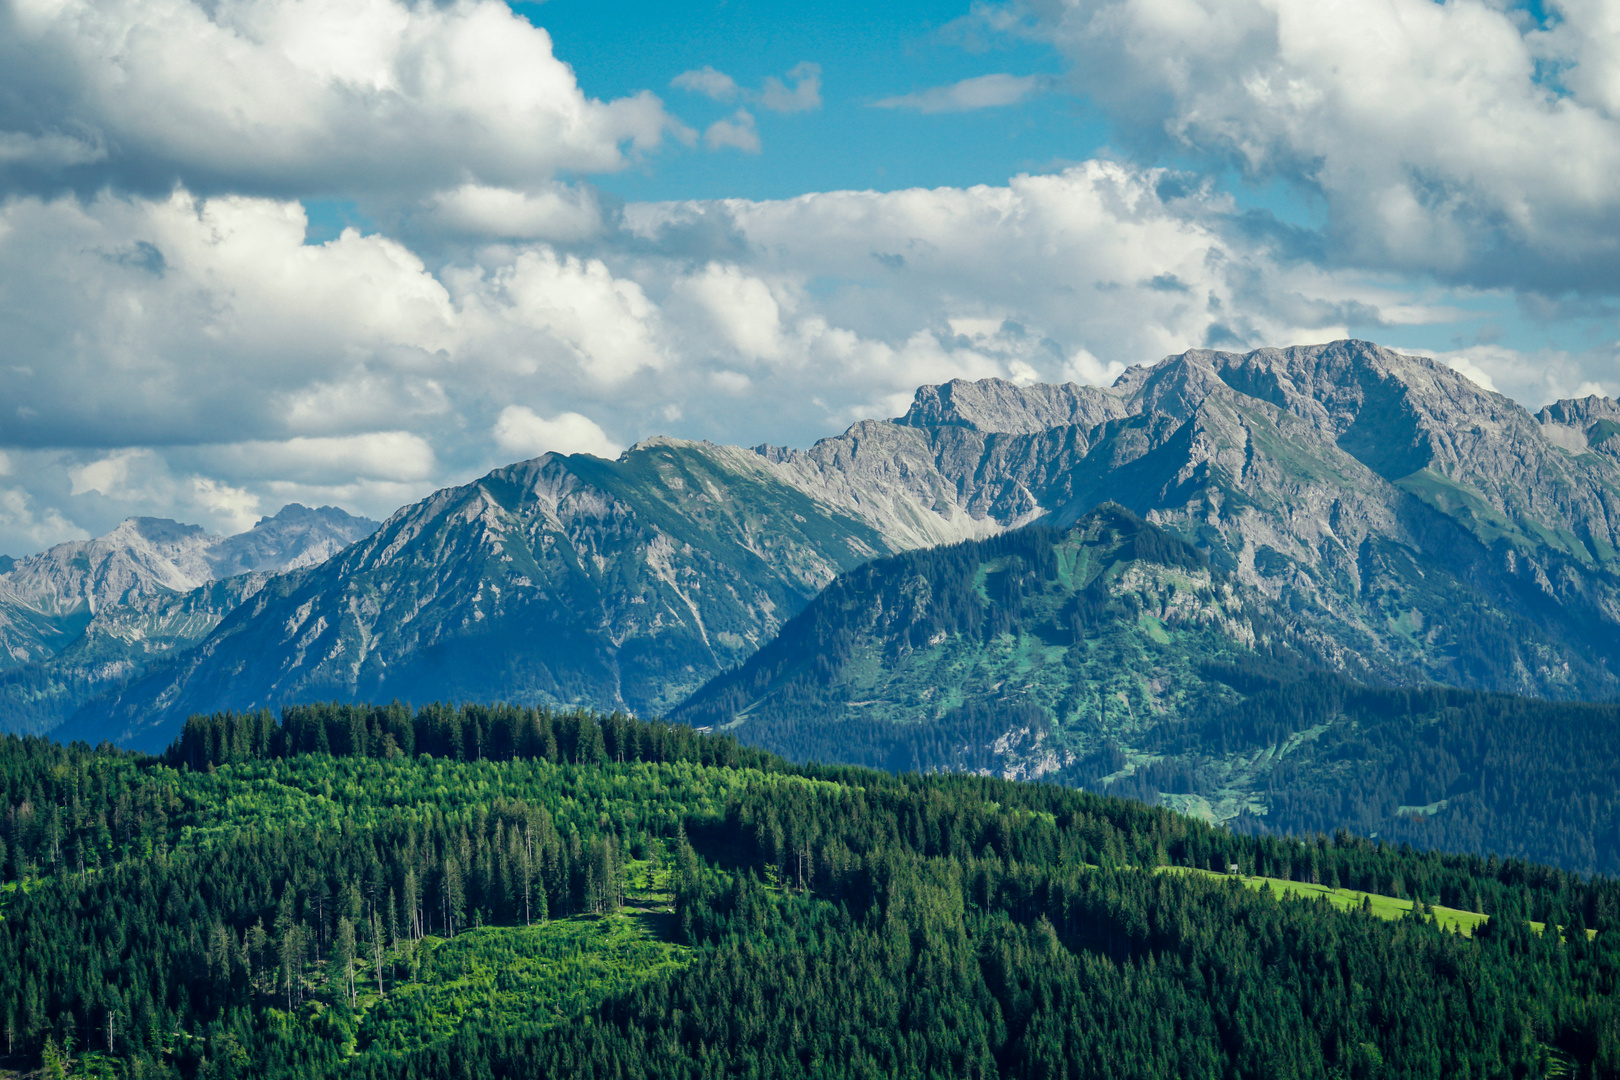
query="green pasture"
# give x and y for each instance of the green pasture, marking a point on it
(1385, 907)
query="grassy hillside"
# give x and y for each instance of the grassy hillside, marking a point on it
(359, 892)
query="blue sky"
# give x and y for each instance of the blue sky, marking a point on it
(348, 251)
(867, 53)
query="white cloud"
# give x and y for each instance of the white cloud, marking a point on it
(981, 92)
(382, 455)
(520, 430)
(739, 307)
(1087, 370)
(1535, 378)
(107, 476)
(804, 96)
(737, 132)
(1078, 255)
(708, 82)
(1457, 138)
(555, 212)
(25, 529)
(558, 315)
(363, 96)
(191, 316)
(236, 508)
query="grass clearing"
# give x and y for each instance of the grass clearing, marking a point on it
(1385, 907)
(538, 975)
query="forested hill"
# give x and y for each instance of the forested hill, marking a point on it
(1114, 656)
(489, 892)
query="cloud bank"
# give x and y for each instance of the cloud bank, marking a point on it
(197, 355)
(286, 97)
(1463, 139)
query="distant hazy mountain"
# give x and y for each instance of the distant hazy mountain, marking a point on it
(86, 615)
(1403, 523)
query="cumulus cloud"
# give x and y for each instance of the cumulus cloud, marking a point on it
(1462, 139)
(290, 96)
(567, 319)
(557, 212)
(519, 430)
(152, 317)
(25, 528)
(1535, 378)
(737, 131)
(981, 92)
(382, 455)
(803, 96)
(798, 91)
(738, 307)
(708, 82)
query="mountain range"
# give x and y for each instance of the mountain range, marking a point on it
(1111, 655)
(1408, 525)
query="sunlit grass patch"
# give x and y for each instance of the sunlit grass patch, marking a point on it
(1385, 907)
(522, 976)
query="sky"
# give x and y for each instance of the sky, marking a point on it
(347, 252)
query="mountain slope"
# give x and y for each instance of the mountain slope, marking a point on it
(1112, 656)
(46, 600)
(1414, 523)
(1021, 654)
(558, 580)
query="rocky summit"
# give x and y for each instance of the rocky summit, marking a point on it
(1406, 523)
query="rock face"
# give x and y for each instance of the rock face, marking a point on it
(86, 615)
(1408, 523)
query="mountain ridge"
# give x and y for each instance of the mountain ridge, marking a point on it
(1490, 561)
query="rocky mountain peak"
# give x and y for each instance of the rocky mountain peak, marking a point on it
(1002, 406)
(1176, 386)
(157, 531)
(295, 536)
(1582, 425)
(48, 598)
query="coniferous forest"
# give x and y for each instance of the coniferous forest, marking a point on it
(493, 891)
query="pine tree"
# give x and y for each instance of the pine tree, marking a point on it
(455, 898)
(343, 960)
